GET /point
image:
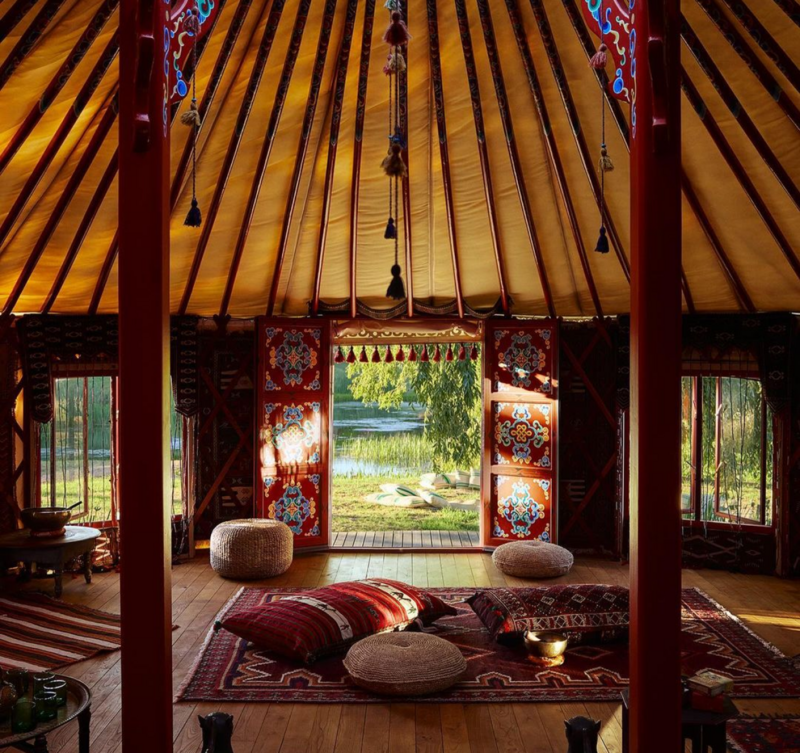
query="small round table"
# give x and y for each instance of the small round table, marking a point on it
(79, 706)
(54, 552)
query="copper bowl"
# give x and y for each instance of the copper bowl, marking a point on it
(546, 645)
(45, 519)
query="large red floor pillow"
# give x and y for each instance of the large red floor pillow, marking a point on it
(587, 613)
(312, 624)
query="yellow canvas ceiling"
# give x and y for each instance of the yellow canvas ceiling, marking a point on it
(741, 160)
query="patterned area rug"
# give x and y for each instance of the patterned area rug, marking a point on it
(39, 632)
(764, 735)
(230, 669)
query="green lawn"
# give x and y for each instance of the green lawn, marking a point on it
(352, 513)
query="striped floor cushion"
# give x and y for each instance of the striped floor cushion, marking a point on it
(313, 624)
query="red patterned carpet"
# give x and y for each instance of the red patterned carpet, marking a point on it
(764, 735)
(229, 669)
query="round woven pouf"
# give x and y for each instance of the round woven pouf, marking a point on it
(245, 549)
(532, 559)
(405, 664)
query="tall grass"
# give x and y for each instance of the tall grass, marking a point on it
(391, 450)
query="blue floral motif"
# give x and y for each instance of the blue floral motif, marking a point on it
(522, 433)
(522, 359)
(293, 434)
(520, 509)
(293, 357)
(293, 509)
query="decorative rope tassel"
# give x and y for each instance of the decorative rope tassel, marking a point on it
(605, 164)
(602, 242)
(351, 356)
(194, 218)
(473, 353)
(393, 164)
(600, 58)
(400, 357)
(362, 356)
(389, 357)
(376, 357)
(449, 355)
(412, 353)
(390, 233)
(424, 354)
(396, 35)
(462, 352)
(192, 116)
(339, 357)
(395, 63)
(437, 354)
(391, 5)
(396, 289)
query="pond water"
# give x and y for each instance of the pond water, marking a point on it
(394, 435)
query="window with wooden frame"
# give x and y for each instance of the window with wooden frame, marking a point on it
(727, 451)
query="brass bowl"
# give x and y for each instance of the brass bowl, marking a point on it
(546, 645)
(43, 519)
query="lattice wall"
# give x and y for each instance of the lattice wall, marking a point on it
(11, 433)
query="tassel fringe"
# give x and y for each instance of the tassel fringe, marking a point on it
(194, 218)
(395, 63)
(391, 230)
(605, 164)
(396, 289)
(600, 58)
(393, 164)
(191, 117)
(602, 242)
(396, 35)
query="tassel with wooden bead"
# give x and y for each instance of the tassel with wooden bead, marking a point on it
(395, 63)
(605, 164)
(393, 164)
(396, 35)
(390, 233)
(191, 118)
(600, 58)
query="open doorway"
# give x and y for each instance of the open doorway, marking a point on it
(407, 445)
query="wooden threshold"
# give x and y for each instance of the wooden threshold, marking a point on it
(406, 540)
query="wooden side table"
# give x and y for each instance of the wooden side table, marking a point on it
(79, 706)
(77, 541)
(707, 730)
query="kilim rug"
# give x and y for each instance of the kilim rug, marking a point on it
(780, 735)
(230, 669)
(39, 632)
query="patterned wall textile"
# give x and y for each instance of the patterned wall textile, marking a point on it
(589, 513)
(729, 549)
(225, 433)
(8, 461)
(793, 494)
(184, 352)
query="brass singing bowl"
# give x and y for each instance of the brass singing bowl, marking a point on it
(45, 518)
(547, 645)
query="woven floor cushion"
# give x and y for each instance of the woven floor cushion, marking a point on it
(532, 559)
(405, 664)
(254, 548)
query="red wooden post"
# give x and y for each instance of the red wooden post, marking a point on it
(143, 377)
(655, 704)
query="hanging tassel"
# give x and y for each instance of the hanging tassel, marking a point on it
(391, 230)
(462, 352)
(397, 137)
(194, 218)
(449, 354)
(392, 5)
(605, 164)
(473, 353)
(602, 242)
(437, 354)
(396, 288)
(412, 353)
(191, 117)
(351, 356)
(393, 164)
(376, 357)
(424, 354)
(362, 356)
(400, 357)
(339, 357)
(389, 357)
(599, 59)
(396, 35)
(395, 63)
(192, 24)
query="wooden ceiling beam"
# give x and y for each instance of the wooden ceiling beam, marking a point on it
(70, 118)
(729, 155)
(12, 17)
(554, 58)
(495, 66)
(105, 272)
(302, 147)
(361, 107)
(59, 81)
(444, 151)
(245, 109)
(709, 67)
(402, 77)
(483, 154)
(337, 100)
(553, 154)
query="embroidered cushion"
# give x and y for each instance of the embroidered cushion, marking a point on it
(587, 613)
(311, 624)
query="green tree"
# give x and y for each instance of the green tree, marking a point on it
(449, 391)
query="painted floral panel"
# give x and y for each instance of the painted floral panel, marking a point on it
(521, 507)
(295, 501)
(291, 434)
(523, 360)
(292, 359)
(522, 435)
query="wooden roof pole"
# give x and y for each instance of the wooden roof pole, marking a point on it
(444, 151)
(337, 99)
(59, 80)
(12, 17)
(483, 154)
(302, 150)
(554, 58)
(513, 153)
(145, 590)
(233, 147)
(655, 533)
(361, 106)
(552, 148)
(727, 152)
(105, 272)
(402, 86)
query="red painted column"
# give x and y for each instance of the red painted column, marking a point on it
(143, 382)
(655, 381)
